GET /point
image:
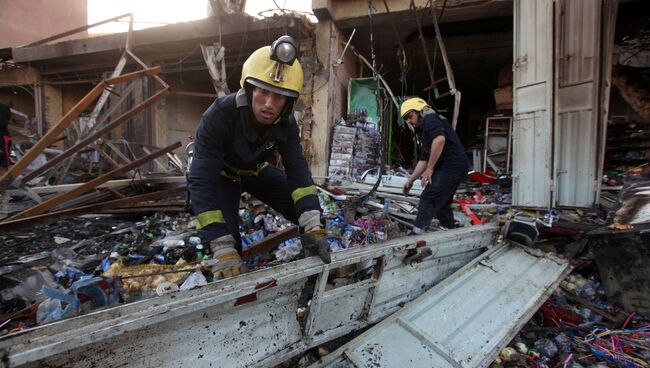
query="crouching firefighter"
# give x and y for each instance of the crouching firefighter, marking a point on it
(236, 137)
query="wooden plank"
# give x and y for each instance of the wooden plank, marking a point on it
(195, 94)
(133, 75)
(145, 209)
(270, 242)
(118, 183)
(61, 198)
(145, 66)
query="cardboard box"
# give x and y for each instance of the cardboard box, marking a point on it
(503, 98)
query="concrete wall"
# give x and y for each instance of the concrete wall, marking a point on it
(176, 118)
(22, 22)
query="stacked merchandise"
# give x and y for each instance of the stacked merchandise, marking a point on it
(341, 156)
(366, 149)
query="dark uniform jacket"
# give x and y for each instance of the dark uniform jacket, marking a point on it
(227, 145)
(453, 157)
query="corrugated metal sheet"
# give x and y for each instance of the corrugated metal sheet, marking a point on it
(463, 321)
(576, 122)
(533, 87)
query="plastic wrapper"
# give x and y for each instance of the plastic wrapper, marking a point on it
(195, 279)
(288, 250)
(329, 206)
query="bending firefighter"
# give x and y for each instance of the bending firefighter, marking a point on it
(236, 137)
(442, 164)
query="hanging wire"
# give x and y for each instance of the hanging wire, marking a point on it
(382, 130)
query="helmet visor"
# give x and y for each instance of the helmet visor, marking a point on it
(269, 87)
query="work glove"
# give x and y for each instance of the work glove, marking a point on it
(228, 260)
(315, 243)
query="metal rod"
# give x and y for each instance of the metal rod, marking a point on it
(61, 198)
(76, 30)
(418, 22)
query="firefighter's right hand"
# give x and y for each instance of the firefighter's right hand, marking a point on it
(407, 186)
(314, 242)
(228, 260)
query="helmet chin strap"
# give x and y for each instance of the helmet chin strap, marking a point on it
(286, 110)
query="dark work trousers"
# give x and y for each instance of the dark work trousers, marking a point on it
(436, 198)
(269, 186)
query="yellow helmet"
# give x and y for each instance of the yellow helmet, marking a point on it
(265, 70)
(415, 103)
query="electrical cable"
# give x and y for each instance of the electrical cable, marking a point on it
(382, 132)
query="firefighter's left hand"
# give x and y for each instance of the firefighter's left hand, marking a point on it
(426, 177)
(314, 242)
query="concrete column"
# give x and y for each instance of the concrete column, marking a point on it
(329, 91)
(52, 108)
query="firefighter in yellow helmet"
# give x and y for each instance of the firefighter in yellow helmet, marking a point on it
(237, 137)
(442, 164)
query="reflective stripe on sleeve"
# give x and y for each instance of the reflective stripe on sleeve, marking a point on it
(206, 218)
(300, 193)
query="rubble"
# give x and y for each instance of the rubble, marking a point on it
(90, 247)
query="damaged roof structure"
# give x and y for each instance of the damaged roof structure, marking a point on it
(101, 264)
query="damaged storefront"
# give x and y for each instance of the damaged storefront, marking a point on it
(101, 263)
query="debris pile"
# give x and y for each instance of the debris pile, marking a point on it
(578, 327)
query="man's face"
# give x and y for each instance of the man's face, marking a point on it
(266, 105)
(412, 118)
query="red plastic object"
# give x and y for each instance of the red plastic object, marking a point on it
(463, 205)
(555, 316)
(483, 177)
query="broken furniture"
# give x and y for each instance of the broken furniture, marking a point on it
(497, 144)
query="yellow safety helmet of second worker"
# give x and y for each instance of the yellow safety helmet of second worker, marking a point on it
(275, 68)
(412, 104)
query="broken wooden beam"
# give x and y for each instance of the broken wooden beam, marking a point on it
(49, 137)
(92, 137)
(61, 198)
(270, 242)
(53, 134)
(115, 184)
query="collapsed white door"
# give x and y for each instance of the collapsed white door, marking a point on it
(581, 43)
(532, 103)
(562, 64)
(463, 321)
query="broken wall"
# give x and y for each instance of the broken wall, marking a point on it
(22, 22)
(180, 118)
(16, 88)
(329, 87)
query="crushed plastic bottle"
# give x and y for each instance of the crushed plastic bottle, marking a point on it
(546, 347)
(563, 342)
